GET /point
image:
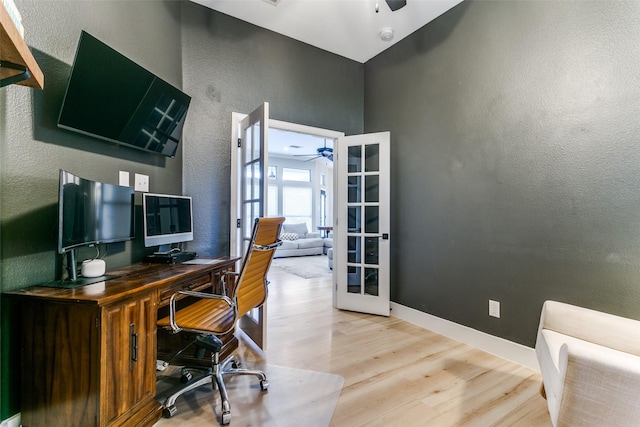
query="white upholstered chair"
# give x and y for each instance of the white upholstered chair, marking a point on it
(590, 364)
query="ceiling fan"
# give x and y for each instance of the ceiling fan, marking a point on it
(326, 152)
(396, 4)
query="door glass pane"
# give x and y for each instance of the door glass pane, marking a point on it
(371, 159)
(371, 281)
(354, 190)
(371, 250)
(255, 139)
(353, 249)
(371, 221)
(354, 159)
(372, 188)
(354, 225)
(353, 279)
(250, 214)
(256, 181)
(247, 145)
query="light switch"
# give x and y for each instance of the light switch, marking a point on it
(142, 182)
(123, 178)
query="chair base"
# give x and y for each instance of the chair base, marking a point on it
(215, 375)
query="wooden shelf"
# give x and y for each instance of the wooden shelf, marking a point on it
(14, 50)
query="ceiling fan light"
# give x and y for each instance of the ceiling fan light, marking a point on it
(386, 34)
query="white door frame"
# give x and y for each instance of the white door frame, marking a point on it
(236, 118)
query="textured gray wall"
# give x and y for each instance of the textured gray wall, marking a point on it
(232, 66)
(224, 64)
(515, 160)
(33, 149)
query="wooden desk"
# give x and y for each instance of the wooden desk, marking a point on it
(89, 353)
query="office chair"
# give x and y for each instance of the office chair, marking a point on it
(213, 315)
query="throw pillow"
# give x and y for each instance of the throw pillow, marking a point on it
(289, 236)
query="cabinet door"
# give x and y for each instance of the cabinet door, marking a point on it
(60, 364)
(129, 357)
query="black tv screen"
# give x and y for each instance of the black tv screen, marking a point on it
(112, 98)
(91, 212)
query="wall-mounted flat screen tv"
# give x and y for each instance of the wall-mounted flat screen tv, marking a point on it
(112, 98)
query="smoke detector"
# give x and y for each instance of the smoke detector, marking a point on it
(386, 34)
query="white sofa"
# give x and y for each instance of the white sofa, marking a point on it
(298, 241)
(590, 364)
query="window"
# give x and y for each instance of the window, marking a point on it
(272, 172)
(297, 205)
(299, 175)
(272, 200)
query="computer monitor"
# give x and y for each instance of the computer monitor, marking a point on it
(167, 219)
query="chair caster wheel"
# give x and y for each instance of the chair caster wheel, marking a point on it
(226, 418)
(264, 385)
(170, 411)
(186, 377)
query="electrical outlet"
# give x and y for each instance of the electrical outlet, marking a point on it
(494, 308)
(142, 182)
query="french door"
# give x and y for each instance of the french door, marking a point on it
(361, 207)
(362, 221)
(251, 204)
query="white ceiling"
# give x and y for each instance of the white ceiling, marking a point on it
(303, 146)
(349, 28)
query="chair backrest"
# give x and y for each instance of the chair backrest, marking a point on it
(251, 284)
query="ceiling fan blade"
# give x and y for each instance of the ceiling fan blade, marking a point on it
(396, 4)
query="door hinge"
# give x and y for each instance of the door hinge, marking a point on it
(238, 223)
(239, 142)
(97, 322)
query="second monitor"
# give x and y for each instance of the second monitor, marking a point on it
(167, 219)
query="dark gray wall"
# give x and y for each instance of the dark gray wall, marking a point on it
(33, 149)
(232, 66)
(224, 64)
(515, 160)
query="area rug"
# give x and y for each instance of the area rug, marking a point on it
(296, 397)
(307, 267)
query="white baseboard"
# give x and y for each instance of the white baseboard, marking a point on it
(500, 347)
(11, 422)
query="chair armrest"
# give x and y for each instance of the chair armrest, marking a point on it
(604, 329)
(601, 382)
(267, 247)
(172, 304)
(312, 235)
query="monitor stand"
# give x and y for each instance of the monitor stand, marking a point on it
(165, 250)
(74, 281)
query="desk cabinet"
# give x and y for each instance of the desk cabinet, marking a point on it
(128, 354)
(89, 353)
(85, 365)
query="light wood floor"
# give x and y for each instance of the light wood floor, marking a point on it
(395, 373)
